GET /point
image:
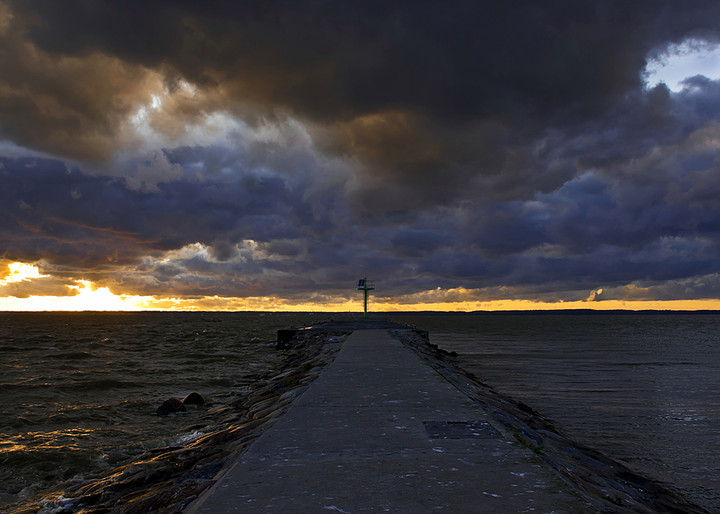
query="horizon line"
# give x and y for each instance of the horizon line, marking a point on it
(377, 313)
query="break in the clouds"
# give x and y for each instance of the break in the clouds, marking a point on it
(513, 151)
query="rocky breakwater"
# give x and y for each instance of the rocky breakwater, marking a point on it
(167, 479)
(607, 484)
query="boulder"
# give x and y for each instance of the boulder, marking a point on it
(170, 406)
(194, 399)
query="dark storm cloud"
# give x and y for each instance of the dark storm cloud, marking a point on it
(344, 59)
(411, 243)
(510, 148)
(50, 209)
(584, 235)
(519, 65)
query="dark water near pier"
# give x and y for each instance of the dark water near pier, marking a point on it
(643, 389)
(78, 392)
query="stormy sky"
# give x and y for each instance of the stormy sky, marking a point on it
(451, 151)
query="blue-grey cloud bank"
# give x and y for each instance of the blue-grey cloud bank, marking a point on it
(239, 149)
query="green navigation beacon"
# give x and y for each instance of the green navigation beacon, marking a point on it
(365, 285)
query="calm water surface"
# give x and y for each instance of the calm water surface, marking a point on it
(644, 389)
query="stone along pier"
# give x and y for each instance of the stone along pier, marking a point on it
(378, 431)
(392, 424)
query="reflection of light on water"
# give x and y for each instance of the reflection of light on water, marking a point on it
(65, 440)
(690, 415)
(107, 374)
(9, 446)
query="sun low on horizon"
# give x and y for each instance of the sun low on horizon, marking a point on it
(84, 295)
(201, 202)
(516, 159)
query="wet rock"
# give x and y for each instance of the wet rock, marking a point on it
(165, 480)
(170, 406)
(194, 399)
(284, 338)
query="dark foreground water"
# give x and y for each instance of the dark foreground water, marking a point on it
(78, 392)
(643, 389)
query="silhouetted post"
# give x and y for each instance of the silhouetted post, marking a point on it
(365, 285)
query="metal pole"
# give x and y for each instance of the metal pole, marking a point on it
(365, 286)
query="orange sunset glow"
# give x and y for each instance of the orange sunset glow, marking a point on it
(84, 295)
(489, 173)
(522, 197)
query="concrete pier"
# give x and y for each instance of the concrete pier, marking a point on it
(381, 431)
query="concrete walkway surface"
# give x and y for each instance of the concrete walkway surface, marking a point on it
(380, 431)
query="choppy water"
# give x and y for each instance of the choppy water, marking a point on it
(78, 392)
(643, 389)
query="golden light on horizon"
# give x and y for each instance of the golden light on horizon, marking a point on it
(19, 271)
(88, 298)
(91, 297)
(530, 305)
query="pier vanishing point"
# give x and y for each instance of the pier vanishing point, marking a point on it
(390, 425)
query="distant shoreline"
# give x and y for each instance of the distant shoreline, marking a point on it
(380, 314)
(570, 312)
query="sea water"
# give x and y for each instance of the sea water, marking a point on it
(643, 389)
(78, 392)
